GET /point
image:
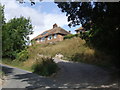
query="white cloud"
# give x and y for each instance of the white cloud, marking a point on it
(41, 21)
(51, 19)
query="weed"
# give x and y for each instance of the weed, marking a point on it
(44, 66)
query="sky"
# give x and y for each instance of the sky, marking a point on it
(43, 15)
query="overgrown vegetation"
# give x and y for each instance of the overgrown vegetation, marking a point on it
(23, 55)
(101, 19)
(15, 37)
(1, 74)
(16, 63)
(45, 66)
(69, 36)
(74, 49)
(103, 38)
(17, 29)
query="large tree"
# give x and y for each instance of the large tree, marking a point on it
(102, 19)
(15, 36)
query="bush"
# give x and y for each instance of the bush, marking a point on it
(71, 36)
(76, 57)
(44, 66)
(22, 56)
(74, 49)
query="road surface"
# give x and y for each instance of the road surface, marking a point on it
(71, 75)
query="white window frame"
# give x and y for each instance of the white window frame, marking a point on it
(55, 36)
(50, 37)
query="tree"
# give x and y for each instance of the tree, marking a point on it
(15, 36)
(102, 19)
(2, 22)
(2, 18)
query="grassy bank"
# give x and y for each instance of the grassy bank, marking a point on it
(16, 63)
(74, 49)
(44, 66)
(2, 75)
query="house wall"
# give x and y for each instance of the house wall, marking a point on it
(58, 38)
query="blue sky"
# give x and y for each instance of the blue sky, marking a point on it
(43, 15)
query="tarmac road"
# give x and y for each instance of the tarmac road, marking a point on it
(71, 75)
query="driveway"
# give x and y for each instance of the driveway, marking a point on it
(71, 75)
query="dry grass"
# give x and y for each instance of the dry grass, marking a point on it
(74, 49)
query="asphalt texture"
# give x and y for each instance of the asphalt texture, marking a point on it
(70, 75)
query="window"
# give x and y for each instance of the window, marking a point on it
(55, 36)
(50, 37)
(37, 40)
(42, 39)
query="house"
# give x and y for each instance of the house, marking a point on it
(80, 30)
(50, 36)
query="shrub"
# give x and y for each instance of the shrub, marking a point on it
(74, 49)
(23, 55)
(44, 66)
(70, 36)
(76, 57)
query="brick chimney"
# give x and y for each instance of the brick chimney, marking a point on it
(69, 31)
(55, 25)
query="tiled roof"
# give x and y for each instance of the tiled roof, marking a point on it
(55, 30)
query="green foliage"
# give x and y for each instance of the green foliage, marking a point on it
(15, 36)
(1, 74)
(69, 36)
(77, 57)
(102, 20)
(2, 22)
(23, 55)
(15, 63)
(2, 19)
(45, 66)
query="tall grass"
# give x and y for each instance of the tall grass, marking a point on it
(74, 49)
(15, 63)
